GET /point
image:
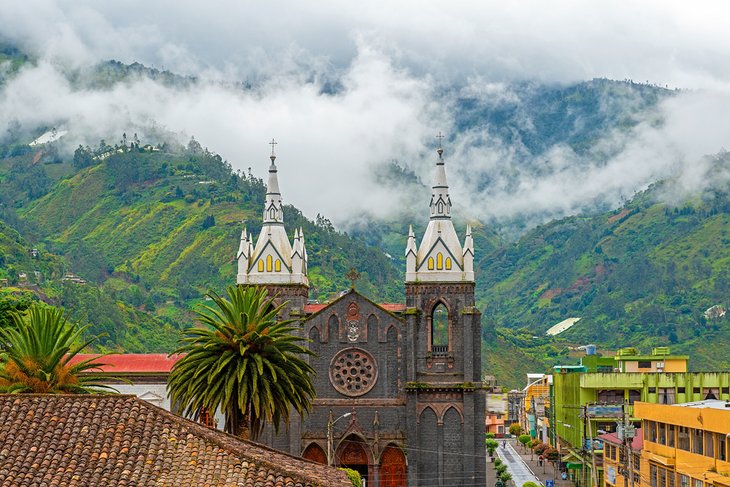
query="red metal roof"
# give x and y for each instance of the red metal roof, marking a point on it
(637, 443)
(149, 363)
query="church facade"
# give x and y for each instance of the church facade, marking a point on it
(399, 395)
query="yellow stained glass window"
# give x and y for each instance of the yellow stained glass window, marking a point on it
(439, 261)
(448, 263)
(277, 265)
(261, 266)
(269, 262)
(430, 263)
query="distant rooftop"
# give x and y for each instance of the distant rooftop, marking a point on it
(132, 363)
(706, 404)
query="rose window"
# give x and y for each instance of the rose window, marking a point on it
(353, 372)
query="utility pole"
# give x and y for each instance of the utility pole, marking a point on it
(626, 435)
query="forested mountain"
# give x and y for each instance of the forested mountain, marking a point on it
(152, 225)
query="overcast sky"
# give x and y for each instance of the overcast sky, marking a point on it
(391, 58)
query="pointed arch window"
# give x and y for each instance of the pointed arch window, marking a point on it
(441, 207)
(277, 265)
(439, 261)
(272, 213)
(440, 330)
(448, 263)
(261, 265)
(430, 263)
(269, 263)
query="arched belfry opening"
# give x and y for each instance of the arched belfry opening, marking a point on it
(440, 329)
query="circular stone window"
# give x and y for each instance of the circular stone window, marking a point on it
(353, 372)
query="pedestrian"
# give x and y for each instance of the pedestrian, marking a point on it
(564, 476)
(539, 461)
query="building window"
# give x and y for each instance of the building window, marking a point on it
(439, 261)
(683, 438)
(654, 475)
(683, 480)
(697, 483)
(269, 261)
(634, 395)
(721, 442)
(710, 393)
(277, 265)
(430, 263)
(261, 266)
(448, 263)
(666, 395)
(696, 441)
(661, 433)
(652, 390)
(611, 396)
(440, 329)
(680, 390)
(670, 435)
(652, 431)
(272, 214)
(695, 390)
(644, 364)
(725, 391)
(709, 444)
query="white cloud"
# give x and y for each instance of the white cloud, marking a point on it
(392, 60)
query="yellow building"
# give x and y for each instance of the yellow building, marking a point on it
(629, 360)
(616, 460)
(685, 445)
(536, 400)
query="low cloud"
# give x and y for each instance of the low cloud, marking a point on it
(399, 69)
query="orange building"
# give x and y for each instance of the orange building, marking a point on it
(685, 445)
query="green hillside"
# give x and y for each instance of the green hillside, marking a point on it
(643, 275)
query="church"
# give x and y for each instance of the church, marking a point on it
(399, 395)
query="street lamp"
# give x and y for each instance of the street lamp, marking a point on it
(330, 424)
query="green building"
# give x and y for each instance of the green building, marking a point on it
(609, 394)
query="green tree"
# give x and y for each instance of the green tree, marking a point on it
(524, 439)
(505, 477)
(245, 362)
(530, 484)
(37, 351)
(515, 429)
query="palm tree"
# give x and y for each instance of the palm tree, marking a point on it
(245, 362)
(36, 352)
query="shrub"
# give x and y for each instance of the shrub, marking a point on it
(497, 462)
(504, 477)
(490, 436)
(354, 476)
(502, 468)
(530, 484)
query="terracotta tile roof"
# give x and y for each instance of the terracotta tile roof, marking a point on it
(110, 440)
(313, 308)
(131, 363)
(392, 307)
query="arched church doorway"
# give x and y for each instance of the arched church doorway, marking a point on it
(392, 467)
(315, 453)
(351, 454)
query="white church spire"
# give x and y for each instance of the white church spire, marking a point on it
(272, 260)
(440, 256)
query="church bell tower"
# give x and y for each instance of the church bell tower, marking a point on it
(445, 400)
(273, 261)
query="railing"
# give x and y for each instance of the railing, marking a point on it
(439, 350)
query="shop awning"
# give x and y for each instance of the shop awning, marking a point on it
(573, 466)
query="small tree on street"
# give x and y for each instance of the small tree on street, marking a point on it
(492, 446)
(515, 429)
(524, 439)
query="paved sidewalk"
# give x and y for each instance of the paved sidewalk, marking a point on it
(521, 473)
(544, 472)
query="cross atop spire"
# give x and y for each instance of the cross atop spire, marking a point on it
(440, 150)
(272, 144)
